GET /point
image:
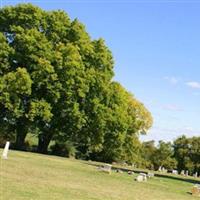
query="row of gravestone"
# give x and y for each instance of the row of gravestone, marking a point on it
(186, 173)
(140, 178)
(163, 170)
(183, 172)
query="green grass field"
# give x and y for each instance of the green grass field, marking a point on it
(28, 176)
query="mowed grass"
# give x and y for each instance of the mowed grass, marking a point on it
(28, 176)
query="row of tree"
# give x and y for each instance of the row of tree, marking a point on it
(57, 83)
(182, 154)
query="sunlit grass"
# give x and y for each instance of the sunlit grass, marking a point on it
(28, 176)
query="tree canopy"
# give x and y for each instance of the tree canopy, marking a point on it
(57, 83)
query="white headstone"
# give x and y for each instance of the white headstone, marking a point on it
(186, 173)
(139, 178)
(150, 175)
(195, 175)
(107, 167)
(144, 176)
(174, 172)
(5, 151)
(183, 173)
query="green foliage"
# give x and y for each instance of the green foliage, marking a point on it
(131, 150)
(65, 149)
(155, 156)
(147, 153)
(123, 125)
(186, 152)
(163, 156)
(56, 83)
(14, 87)
(40, 109)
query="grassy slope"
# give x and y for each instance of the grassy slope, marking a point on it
(27, 176)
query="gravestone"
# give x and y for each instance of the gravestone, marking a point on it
(5, 151)
(183, 173)
(130, 172)
(196, 190)
(150, 175)
(186, 173)
(139, 178)
(144, 176)
(195, 175)
(164, 170)
(174, 172)
(106, 168)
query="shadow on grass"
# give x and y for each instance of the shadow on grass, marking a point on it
(179, 178)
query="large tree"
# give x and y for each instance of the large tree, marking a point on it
(56, 82)
(47, 69)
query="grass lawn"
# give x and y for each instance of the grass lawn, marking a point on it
(28, 176)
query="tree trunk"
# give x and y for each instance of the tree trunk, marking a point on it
(43, 143)
(22, 131)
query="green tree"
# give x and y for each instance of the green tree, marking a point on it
(147, 153)
(45, 45)
(68, 74)
(127, 119)
(181, 152)
(186, 152)
(163, 156)
(56, 82)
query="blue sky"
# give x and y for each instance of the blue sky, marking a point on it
(156, 48)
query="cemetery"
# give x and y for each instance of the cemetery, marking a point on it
(87, 111)
(34, 176)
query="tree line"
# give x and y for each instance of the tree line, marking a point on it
(56, 83)
(182, 154)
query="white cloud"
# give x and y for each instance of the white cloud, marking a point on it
(193, 84)
(172, 80)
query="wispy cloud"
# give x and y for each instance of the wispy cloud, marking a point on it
(193, 84)
(171, 80)
(172, 107)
